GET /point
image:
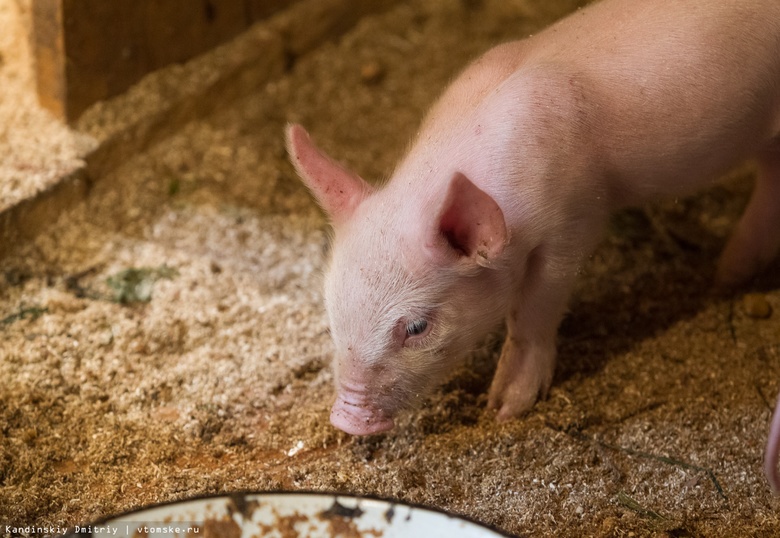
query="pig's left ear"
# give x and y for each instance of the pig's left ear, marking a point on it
(472, 222)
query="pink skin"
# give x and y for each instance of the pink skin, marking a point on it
(353, 414)
(772, 452)
(512, 177)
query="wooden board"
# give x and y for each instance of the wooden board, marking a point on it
(89, 50)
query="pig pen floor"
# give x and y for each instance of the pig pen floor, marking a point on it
(216, 379)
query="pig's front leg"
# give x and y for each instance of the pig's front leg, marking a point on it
(525, 369)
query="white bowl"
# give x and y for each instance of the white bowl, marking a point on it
(286, 515)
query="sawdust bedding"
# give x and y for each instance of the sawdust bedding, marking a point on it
(35, 149)
(167, 339)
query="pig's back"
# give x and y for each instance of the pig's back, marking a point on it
(676, 90)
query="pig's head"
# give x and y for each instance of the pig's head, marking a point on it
(411, 287)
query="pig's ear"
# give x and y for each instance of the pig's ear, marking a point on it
(472, 222)
(338, 190)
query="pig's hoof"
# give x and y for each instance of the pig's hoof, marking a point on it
(522, 377)
(514, 400)
(513, 397)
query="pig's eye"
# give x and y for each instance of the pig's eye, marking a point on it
(416, 327)
(411, 332)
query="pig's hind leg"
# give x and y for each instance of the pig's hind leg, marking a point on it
(756, 240)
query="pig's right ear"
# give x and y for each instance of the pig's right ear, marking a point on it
(471, 222)
(338, 190)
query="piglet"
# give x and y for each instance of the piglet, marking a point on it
(510, 182)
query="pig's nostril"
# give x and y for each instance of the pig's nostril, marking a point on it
(354, 403)
(359, 420)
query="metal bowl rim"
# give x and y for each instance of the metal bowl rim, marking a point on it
(267, 493)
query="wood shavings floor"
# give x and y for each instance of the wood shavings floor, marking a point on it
(655, 425)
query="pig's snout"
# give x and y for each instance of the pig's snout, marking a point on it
(353, 414)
